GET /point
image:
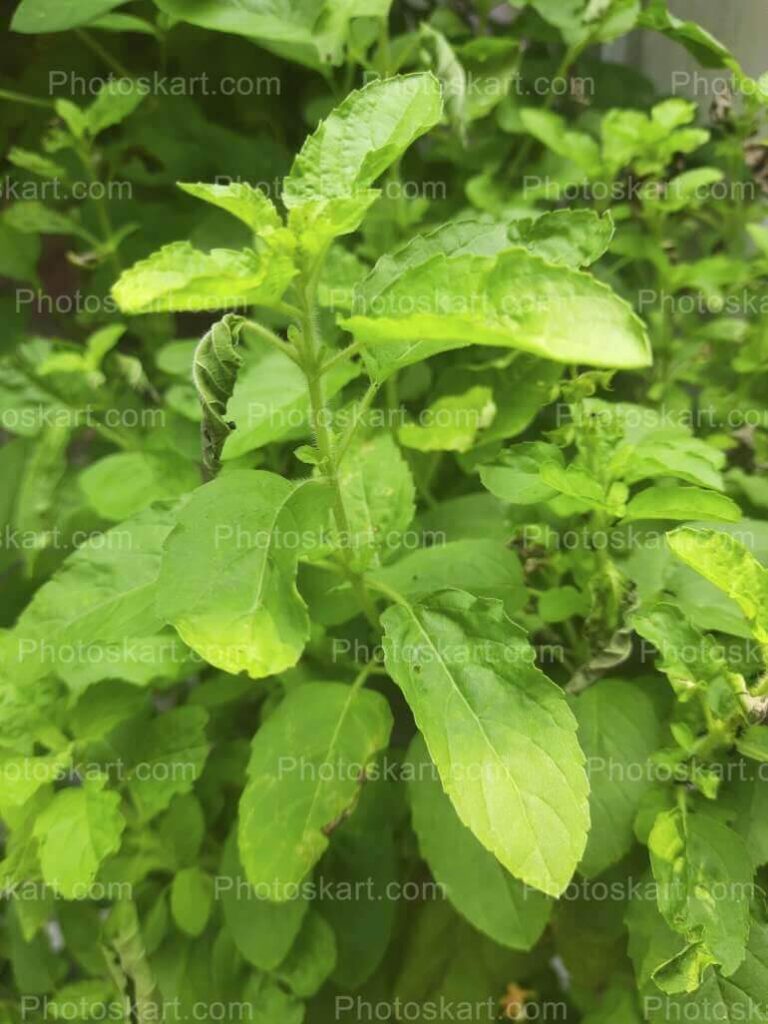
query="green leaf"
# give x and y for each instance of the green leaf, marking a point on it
(118, 486)
(500, 732)
(550, 129)
(726, 562)
(313, 34)
(516, 475)
(486, 567)
(367, 132)
(250, 205)
(312, 957)
(753, 743)
(378, 495)
(180, 278)
(228, 578)
(306, 766)
(573, 238)
(103, 594)
(116, 100)
(263, 931)
(43, 471)
(704, 873)
(191, 900)
(558, 604)
(472, 878)
(215, 366)
(512, 300)
(77, 830)
(676, 502)
(270, 400)
(21, 777)
(165, 757)
(32, 217)
(619, 730)
(451, 423)
(45, 16)
(703, 46)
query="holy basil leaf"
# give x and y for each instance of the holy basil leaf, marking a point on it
(78, 829)
(44, 16)
(121, 485)
(228, 578)
(472, 878)
(103, 595)
(179, 277)
(215, 365)
(378, 496)
(705, 874)
(574, 238)
(499, 731)
(263, 931)
(486, 567)
(619, 730)
(250, 205)
(726, 562)
(512, 300)
(366, 133)
(307, 764)
(676, 502)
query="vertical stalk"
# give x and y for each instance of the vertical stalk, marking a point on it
(311, 362)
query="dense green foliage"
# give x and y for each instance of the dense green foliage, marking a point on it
(385, 520)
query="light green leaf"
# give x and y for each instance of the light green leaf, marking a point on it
(270, 400)
(500, 732)
(366, 133)
(165, 757)
(180, 278)
(378, 495)
(451, 423)
(118, 486)
(191, 900)
(579, 484)
(30, 216)
(228, 578)
(263, 931)
(45, 16)
(551, 129)
(753, 743)
(676, 502)
(619, 730)
(316, 222)
(312, 958)
(116, 100)
(726, 562)
(250, 205)
(705, 874)
(486, 567)
(78, 829)
(558, 604)
(215, 366)
(573, 238)
(35, 511)
(21, 777)
(472, 878)
(512, 300)
(304, 774)
(103, 594)
(516, 475)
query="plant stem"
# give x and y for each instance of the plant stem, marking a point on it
(273, 339)
(19, 97)
(310, 360)
(104, 54)
(346, 353)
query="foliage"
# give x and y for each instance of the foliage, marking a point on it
(384, 633)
